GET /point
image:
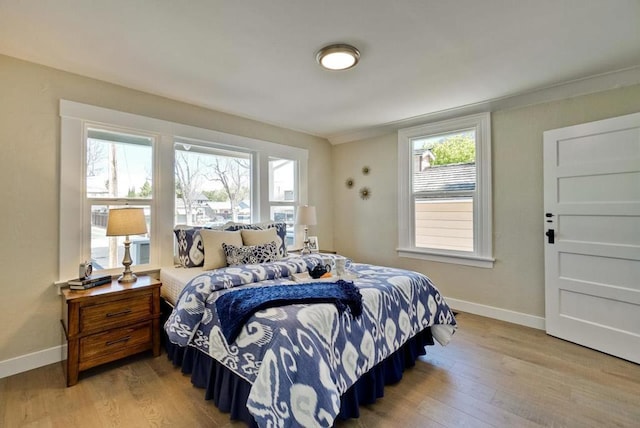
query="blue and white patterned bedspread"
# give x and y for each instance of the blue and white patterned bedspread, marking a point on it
(301, 358)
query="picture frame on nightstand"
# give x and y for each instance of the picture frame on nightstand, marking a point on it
(313, 244)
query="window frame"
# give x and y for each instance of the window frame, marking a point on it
(75, 117)
(294, 203)
(482, 214)
(117, 201)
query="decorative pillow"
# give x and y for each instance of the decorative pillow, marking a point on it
(213, 240)
(281, 231)
(258, 236)
(190, 246)
(250, 254)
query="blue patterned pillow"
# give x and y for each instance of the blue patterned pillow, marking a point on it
(250, 254)
(281, 231)
(190, 246)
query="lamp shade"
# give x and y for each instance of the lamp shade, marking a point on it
(306, 215)
(126, 221)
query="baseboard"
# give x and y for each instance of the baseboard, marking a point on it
(32, 361)
(497, 313)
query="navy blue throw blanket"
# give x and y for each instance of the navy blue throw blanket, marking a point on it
(236, 307)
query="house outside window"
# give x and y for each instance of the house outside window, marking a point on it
(444, 202)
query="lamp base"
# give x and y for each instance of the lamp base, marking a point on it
(305, 244)
(305, 249)
(128, 277)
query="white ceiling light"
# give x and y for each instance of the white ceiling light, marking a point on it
(338, 57)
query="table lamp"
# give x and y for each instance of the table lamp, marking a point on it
(125, 222)
(306, 216)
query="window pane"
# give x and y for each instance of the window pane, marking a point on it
(444, 181)
(444, 224)
(118, 165)
(108, 251)
(212, 186)
(285, 214)
(282, 176)
(445, 162)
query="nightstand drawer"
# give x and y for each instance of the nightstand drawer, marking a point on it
(115, 312)
(116, 343)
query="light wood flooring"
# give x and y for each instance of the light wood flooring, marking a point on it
(493, 374)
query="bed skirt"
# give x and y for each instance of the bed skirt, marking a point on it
(229, 392)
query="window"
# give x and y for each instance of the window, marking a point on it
(283, 197)
(177, 173)
(119, 172)
(444, 203)
(213, 186)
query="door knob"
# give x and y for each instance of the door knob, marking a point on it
(551, 234)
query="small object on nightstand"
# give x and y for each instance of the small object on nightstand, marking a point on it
(85, 269)
(313, 244)
(89, 282)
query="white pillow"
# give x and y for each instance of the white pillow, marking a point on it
(214, 256)
(258, 237)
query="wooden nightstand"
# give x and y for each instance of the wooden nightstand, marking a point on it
(110, 322)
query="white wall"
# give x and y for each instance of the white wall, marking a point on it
(30, 309)
(366, 230)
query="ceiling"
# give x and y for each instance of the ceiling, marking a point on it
(256, 58)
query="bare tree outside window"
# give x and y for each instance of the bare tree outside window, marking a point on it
(233, 175)
(189, 179)
(211, 185)
(95, 155)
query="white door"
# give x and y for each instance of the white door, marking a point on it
(592, 223)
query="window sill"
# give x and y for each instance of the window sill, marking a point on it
(459, 259)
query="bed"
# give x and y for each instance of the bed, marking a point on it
(301, 364)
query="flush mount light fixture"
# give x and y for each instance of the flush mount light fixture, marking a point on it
(338, 57)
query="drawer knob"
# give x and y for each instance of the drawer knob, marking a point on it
(117, 314)
(113, 342)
